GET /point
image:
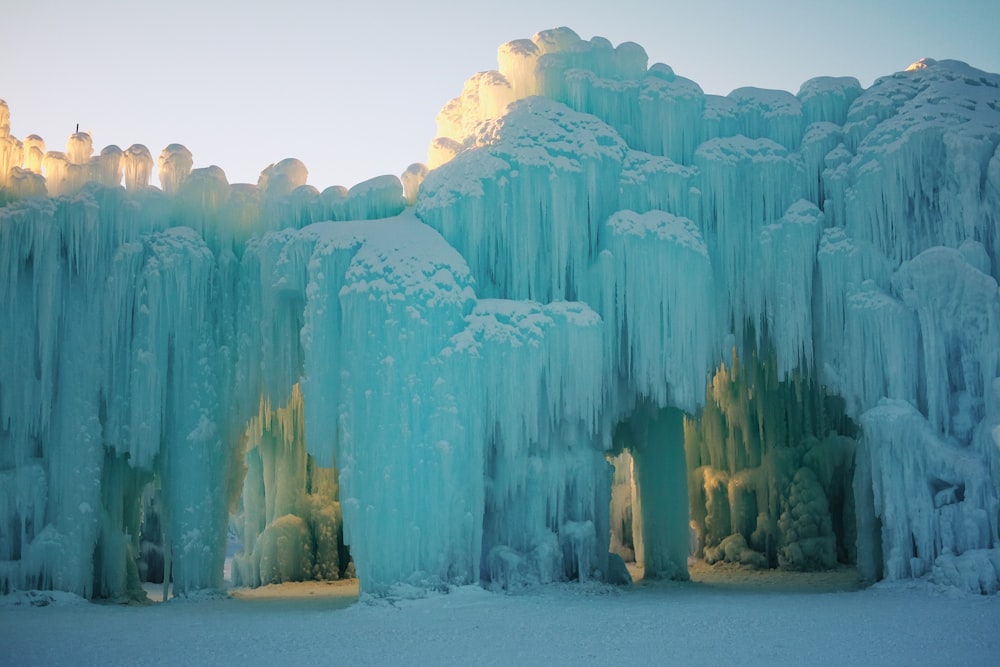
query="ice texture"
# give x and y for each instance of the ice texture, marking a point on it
(611, 314)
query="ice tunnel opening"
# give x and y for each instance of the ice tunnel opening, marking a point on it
(286, 525)
(284, 519)
(762, 477)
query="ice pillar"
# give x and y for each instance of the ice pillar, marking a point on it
(657, 444)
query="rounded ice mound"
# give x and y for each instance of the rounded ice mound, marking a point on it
(106, 168)
(631, 59)
(34, 152)
(379, 197)
(923, 63)
(411, 179)
(282, 177)
(556, 39)
(206, 188)
(79, 148)
(138, 165)
(827, 98)
(26, 183)
(174, 164)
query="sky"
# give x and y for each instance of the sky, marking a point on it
(353, 91)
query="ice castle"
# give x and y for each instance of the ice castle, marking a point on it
(612, 319)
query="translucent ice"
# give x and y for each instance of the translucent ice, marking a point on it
(612, 313)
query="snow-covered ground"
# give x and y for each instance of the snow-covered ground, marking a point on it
(726, 616)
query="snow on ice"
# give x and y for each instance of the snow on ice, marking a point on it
(611, 314)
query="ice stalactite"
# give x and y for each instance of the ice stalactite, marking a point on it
(542, 162)
(659, 287)
(882, 335)
(162, 386)
(651, 182)
(8, 147)
(671, 108)
(957, 307)
(56, 295)
(820, 139)
(202, 202)
(516, 61)
(918, 174)
(788, 257)
(746, 184)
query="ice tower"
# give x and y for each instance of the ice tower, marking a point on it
(611, 314)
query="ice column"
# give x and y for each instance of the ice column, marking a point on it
(547, 487)
(746, 184)
(656, 440)
(138, 166)
(174, 165)
(106, 168)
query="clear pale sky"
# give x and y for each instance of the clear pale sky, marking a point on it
(352, 89)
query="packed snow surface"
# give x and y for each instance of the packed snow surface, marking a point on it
(802, 621)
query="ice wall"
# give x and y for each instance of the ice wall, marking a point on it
(132, 386)
(832, 222)
(467, 345)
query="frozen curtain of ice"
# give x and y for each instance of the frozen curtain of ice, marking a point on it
(776, 314)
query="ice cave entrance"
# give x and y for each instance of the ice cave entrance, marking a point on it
(762, 477)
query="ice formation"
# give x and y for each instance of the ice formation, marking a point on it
(612, 314)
